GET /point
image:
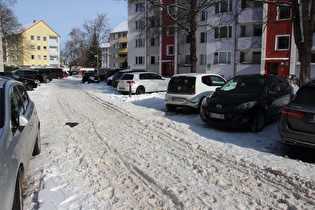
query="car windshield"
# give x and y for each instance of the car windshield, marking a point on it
(182, 85)
(1, 107)
(305, 96)
(245, 84)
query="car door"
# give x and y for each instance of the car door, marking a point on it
(274, 97)
(145, 81)
(157, 82)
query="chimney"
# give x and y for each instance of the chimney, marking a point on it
(34, 21)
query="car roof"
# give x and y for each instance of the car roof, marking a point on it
(195, 75)
(130, 70)
(141, 72)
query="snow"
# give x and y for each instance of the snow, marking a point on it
(104, 150)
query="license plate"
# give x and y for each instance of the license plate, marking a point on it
(312, 118)
(178, 99)
(217, 116)
(121, 88)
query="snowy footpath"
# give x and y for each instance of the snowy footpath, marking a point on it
(104, 150)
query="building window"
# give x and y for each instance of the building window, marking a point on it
(170, 31)
(139, 42)
(45, 47)
(223, 32)
(171, 9)
(38, 47)
(45, 57)
(243, 31)
(139, 7)
(32, 47)
(222, 57)
(203, 37)
(203, 59)
(188, 39)
(38, 38)
(152, 59)
(44, 38)
(32, 37)
(170, 50)
(257, 57)
(203, 16)
(284, 13)
(223, 6)
(282, 42)
(140, 24)
(33, 57)
(257, 30)
(187, 59)
(139, 60)
(39, 57)
(152, 41)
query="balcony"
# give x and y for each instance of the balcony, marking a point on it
(123, 50)
(123, 40)
(245, 43)
(250, 15)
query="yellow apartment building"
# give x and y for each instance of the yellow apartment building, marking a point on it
(39, 47)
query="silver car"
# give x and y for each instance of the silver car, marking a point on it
(19, 140)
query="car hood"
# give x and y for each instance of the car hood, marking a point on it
(233, 97)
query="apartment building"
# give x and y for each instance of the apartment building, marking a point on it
(119, 46)
(40, 47)
(234, 37)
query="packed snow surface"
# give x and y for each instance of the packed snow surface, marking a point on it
(104, 150)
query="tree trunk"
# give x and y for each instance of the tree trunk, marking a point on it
(192, 35)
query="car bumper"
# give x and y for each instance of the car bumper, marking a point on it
(295, 138)
(235, 120)
(181, 101)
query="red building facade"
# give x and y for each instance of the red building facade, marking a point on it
(278, 38)
(168, 39)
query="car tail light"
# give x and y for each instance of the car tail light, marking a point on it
(292, 113)
(193, 89)
(131, 82)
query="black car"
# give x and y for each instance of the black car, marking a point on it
(297, 121)
(247, 101)
(46, 73)
(118, 74)
(29, 84)
(111, 72)
(90, 77)
(31, 74)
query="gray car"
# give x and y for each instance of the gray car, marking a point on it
(297, 122)
(19, 140)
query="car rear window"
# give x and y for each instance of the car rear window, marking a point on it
(305, 96)
(127, 77)
(182, 85)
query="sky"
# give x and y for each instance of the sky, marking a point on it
(63, 15)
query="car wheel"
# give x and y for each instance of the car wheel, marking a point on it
(47, 80)
(37, 146)
(170, 107)
(259, 122)
(140, 90)
(18, 200)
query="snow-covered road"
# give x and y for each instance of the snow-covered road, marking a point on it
(103, 150)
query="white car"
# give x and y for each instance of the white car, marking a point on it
(142, 82)
(188, 90)
(19, 140)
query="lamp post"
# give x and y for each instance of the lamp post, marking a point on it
(96, 56)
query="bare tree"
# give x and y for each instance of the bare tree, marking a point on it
(304, 28)
(83, 48)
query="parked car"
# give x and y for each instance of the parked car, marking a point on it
(111, 72)
(188, 90)
(297, 121)
(31, 74)
(90, 77)
(19, 140)
(247, 101)
(46, 74)
(118, 74)
(29, 84)
(109, 80)
(142, 82)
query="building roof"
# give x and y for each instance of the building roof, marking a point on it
(121, 27)
(31, 25)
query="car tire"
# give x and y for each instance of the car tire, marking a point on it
(18, 200)
(140, 90)
(47, 80)
(170, 107)
(258, 122)
(37, 146)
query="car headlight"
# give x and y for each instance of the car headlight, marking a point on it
(204, 101)
(245, 106)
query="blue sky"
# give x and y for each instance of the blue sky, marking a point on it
(63, 15)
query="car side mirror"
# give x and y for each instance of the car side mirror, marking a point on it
(218, 88)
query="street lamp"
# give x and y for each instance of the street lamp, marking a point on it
(96, 56)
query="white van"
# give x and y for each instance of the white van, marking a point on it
(188, 90)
